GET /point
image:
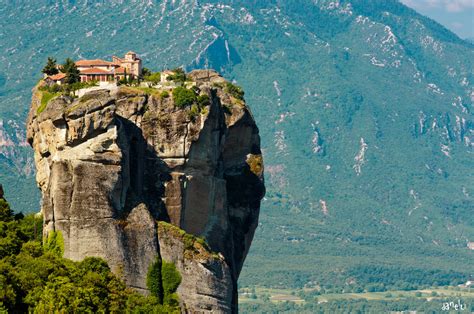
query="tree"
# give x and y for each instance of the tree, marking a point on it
(171, 279)
(153, 280)
(72, 73)
(155, 78)
(177, 76)
(146, 72)
(51, 67)
(183, 97)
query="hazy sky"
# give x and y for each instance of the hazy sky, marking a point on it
(456, 15)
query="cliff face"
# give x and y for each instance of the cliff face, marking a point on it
(111, 164)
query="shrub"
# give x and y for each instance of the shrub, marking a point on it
(194, 112)
(164, 94)
(177, 76)
(171, 280)
(54, 243)
(203, 101)
(146, 72)
(154, 78)
(6, 213)
(162, 280)
(234, 90)
(183, 97)
(153, 280)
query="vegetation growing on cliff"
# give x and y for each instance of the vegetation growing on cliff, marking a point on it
(234, 90)
(183, 97)
(154, 78)
(192, 245)
(190, 98)
(35, 278)
(178, 75)
(46, 96)
(163, 280)
(54, 243)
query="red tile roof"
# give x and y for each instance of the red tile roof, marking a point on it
(95, 71)
(57, 77)
(96, 62)
(120, 70)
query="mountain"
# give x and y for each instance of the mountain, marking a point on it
(364, 109)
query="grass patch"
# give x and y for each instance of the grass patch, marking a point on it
(45, 98)
(192, 245)
(149, 90)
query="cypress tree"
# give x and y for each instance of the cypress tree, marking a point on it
(50, 68)
(72, 73)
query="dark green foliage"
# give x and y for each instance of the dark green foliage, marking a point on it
(178, 76)
(165, 94)
(154, 78)
(163, 280)
(51, 67)
(234, 90)
(194, 112)
(183, 97)
(203, 100)
(72, 73)
(153, 280)
(146, 72)
(16, 229)
(6, 214)
(171, 279)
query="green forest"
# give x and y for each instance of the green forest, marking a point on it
(36, 278)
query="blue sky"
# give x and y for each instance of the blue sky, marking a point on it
(456, 15)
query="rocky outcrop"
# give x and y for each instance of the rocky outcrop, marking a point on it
(111, 164)
(1, 192)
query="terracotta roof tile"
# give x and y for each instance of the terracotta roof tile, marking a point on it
(120, 70)
(96, 62)
(95, 71)
(57, 77)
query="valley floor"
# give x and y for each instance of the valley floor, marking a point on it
(428, 300)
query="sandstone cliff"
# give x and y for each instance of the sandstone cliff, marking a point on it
(113, 163)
